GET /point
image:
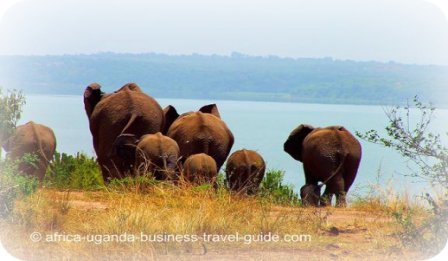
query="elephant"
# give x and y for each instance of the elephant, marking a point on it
(32, 138)
(245, 171)
(127, 110)
(310, 194)
(200, 168)
(199, 132)
(154, 153)
(329, 155)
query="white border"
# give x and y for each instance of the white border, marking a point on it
(6, 4)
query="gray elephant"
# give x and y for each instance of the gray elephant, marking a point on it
(126, 111)
(245, 171)
(35, 139)
(330, 155)
(154, 153)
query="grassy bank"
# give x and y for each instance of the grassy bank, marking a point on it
(74, 201)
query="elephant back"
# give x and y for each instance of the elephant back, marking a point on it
(125, 111)
(245, 170)
(202, 133)
(120, 106)
(32, 138)
(200, 168)
(157, 145)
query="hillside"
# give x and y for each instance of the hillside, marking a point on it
(237, 77)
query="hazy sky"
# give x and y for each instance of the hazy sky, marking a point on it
(409, 31)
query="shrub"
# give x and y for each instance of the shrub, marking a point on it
(273, 188)
(428, 159)
(11, 105)
(13, 185)
(75, 172)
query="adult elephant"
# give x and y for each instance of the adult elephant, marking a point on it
(245, 171)
(330, 155)
(200, 132)
(127, 110)
(154, 153)
(35, 139)
(200, 168)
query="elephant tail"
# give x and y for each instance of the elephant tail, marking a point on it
(337, 171)
(40, 150)
(131, 121)
(203, 144)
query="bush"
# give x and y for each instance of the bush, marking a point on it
(75, 172)
(13, 186)
(428, 159)
(11, 105)
(273, 188)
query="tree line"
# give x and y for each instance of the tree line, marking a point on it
(235, 77)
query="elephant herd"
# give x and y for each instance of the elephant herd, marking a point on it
(132, 135)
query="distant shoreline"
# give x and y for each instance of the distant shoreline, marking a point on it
(235, 77)
(438, 106)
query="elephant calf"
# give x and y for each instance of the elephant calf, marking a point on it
(32, 138)
(245, 171)
(153, 153)
(329, 155)
(200, 168)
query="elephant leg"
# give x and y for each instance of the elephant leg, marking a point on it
(107, 172)
(325, 200)
(340, 199)
(336, 186)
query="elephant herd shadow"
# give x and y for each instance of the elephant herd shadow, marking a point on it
(132, 135)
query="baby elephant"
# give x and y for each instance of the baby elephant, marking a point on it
(155, 153)
(200, 168)
(35, 139)
(245, 171)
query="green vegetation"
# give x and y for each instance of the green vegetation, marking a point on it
(11, 104)
(237, 76)
(82, 172)
(272, 187)
(428, 159)
(73, 172)
(13, 185)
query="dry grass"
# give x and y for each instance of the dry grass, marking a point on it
(364, 230)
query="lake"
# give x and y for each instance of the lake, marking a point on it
(261, 126)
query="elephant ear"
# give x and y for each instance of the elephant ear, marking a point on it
(293, 145)
(212, 109)
(124, 146)
(92, 95)
(170, 115)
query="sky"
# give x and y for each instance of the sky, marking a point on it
(405, 31)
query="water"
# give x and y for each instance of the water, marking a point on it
(261, 126)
